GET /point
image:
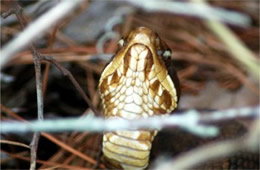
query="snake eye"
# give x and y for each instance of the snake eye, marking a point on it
(121, 42)
(159, 52)
(167, 54)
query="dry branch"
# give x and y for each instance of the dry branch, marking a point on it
(53, 139)
(17, 10)
(191, 121)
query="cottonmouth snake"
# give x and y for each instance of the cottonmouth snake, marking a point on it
(138, 82)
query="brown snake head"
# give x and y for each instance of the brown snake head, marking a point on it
(135, 84)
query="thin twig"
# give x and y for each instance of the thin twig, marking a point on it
(67, 73)
(50, 59)
(191, 121)
(46, 162)
(231, 69)
(36, 29)
(37, 64)
(53, 139)
(14, 143)
(37, 67)
(47, 66)
(34, 148)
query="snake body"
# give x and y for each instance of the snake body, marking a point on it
(136, 83)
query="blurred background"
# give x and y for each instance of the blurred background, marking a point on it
(83, 42)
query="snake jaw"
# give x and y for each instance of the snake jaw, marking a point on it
(135, 84)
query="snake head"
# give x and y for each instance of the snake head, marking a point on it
(148, 38)
(142, 52)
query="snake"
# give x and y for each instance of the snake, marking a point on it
(137, 83)
(140, 82)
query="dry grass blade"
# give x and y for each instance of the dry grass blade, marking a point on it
(53, 139)
(46, 162)
(14, 143)
(215, 150)
(236, 47)
(37, 28)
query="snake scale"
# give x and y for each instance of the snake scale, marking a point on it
(137, 82)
